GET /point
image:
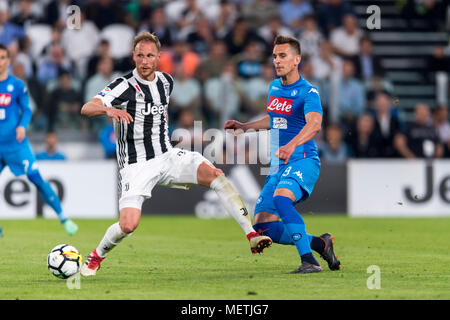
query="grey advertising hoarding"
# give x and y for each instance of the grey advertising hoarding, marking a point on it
(329, 195)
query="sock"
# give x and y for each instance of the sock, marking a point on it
(113, 236)
(232, 202)
(275, 230)
(279, 234)
(317, 244)
(296, 228)
(48, 195)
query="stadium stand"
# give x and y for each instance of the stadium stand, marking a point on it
(409, 54)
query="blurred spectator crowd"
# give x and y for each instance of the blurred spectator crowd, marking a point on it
(219, 53)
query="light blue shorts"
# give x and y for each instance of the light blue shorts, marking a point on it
(20, 160)
(299, 177)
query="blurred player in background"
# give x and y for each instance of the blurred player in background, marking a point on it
(15, 150)
(138, 104)
(294, 118)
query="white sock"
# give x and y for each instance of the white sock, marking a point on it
(232, 202)
(113, 236)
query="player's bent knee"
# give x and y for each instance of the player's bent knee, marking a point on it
(128, 226)
(283, 192)
(264, 216)
(207, 174)
(129, 219)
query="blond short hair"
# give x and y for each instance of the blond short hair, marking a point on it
(146, 36)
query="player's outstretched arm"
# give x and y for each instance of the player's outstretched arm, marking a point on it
(95, 108)
(25, 118)
(312, 127)
(260, 124)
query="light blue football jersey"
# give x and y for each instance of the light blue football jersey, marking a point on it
(287, 106)
(14, 110)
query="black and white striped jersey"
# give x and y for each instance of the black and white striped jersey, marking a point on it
(147, 102)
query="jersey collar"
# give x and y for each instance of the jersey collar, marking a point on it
(136, 75)
(292, 84)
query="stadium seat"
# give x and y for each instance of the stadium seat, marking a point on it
(120, 38)
(40, 35)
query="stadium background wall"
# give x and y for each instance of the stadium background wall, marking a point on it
(361, 188)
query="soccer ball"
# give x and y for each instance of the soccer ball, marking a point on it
(64, 261)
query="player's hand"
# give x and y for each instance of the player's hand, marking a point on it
(233, 124)
(20, 133)
(119, 115)
(285, 152)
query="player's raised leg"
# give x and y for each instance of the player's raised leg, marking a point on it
(128, 222)
(214, 178)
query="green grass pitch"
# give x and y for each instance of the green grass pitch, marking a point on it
(178, 257)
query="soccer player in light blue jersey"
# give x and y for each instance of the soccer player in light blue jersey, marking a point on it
(294, 117)
(15, 150)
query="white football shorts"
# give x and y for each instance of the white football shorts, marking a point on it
(175, 168)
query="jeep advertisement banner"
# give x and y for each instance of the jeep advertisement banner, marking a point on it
(399, 188)
(87, 189)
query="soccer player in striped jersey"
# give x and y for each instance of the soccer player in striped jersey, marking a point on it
(294, 117)
(15, 150)
(137, 103)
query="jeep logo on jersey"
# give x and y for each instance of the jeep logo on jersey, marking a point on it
(153, 109)
(5, 99)
(280, 105)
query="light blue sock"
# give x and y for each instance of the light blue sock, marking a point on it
(48, 195)
(279, 234)
(275, 230)
(296, 228)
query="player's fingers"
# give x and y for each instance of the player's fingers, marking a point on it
(112, 115)
(287, 157)
(124, 119)
(128, 116)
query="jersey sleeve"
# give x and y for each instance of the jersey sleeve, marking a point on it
(312, 101)
(24, 104)
(115, 94)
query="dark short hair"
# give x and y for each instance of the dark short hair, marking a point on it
(3, 47)
(294, 43)
(147, 36)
